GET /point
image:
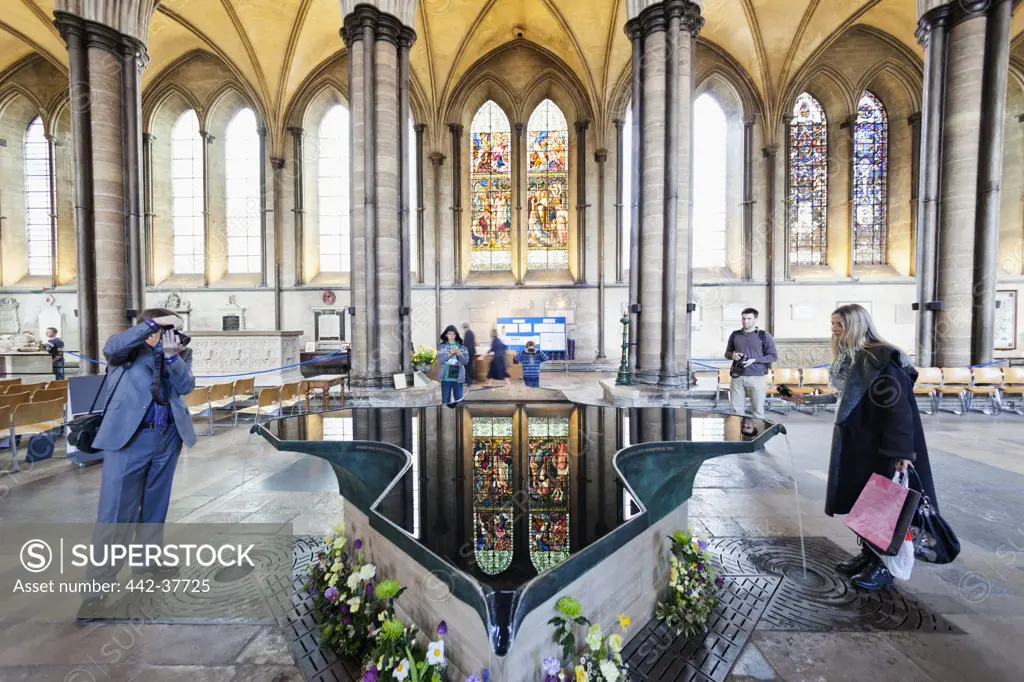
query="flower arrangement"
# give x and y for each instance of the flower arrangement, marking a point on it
(359, 620)
(424, 355)
(601, 660)
(693, 586)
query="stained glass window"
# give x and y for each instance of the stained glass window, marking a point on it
(549, 465)
(707, 429)
(808, 182)
(187, 195)
(242, 170)
(38, 190)
(333, 187)
(709, 183)
(490, 177)
(870, 168)
(492, 493)
(547, 177)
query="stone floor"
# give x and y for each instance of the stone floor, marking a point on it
(979, 467)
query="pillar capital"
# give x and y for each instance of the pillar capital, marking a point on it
(518, 128)
(436, 158)
(388, 22)
(403, 10)
(296, 131)
(456, 128)
(277, 162)
(655, 16)
(123, 18)
(770, 150)
(601, 155)
(750, 120)
(914, 118)
(148, 137)
(419, 128)
(581, 126)
(90, 33)
(207, 137)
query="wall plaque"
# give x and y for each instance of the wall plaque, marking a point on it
(1005, 336)
(231, 323)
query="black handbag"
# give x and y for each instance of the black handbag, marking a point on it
(82, 429)
(934, 539)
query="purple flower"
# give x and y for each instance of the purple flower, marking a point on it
(551, 678)
(358, 544)
(368, 592)
(347, 620)
(472, 678)
(331, 594)
(442, 629)
(344, 557)
(487, 674)
(700, 565)
(344, 608)
(551, 665)
(719, 581)
(702, 545)
(371, 674)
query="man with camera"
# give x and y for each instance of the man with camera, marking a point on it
(146, 421)
(752, 351)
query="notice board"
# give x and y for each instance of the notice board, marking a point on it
(547, 332)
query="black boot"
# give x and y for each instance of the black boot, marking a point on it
(856, 564)
(875, 577)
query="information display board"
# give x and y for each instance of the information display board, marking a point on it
(547, 332)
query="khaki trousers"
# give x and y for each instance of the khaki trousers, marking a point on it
(755, 387)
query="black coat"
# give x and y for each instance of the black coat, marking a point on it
(877, 424)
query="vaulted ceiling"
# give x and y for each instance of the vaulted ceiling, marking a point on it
(272, 45)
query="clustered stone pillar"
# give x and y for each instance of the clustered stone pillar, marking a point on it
(298, 203)
(378, 45)
(663, 49)
(966, 64)
(105, 64)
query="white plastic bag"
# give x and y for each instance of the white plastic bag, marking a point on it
(902, 564)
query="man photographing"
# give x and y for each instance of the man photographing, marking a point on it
(751, 350)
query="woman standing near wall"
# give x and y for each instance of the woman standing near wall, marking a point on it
(877, 430)
(452, 358)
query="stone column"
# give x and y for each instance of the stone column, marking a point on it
(51, 162)
(264, 185)
(298, 203)
(619, 124)
(748, 197)
(977, 57)
(277, 163)
(914, 121)
(376, 41)
(106, 51)
(850, 125)
(207, 139)
(436, 161)
(770, 154)
(663, 45)
(147, 192)
(405, 170)
(519, 268)
(581, 201)
(456, 132)
(600, 156)
(419, 129)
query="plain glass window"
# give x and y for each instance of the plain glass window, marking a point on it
(187, 195)
(710, 138)
(242, 174)
(38, 197)
(333, 190)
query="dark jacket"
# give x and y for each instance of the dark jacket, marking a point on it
(758, 345)
(877, 424)
(470, 342)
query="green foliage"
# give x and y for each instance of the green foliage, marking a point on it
(693, 586)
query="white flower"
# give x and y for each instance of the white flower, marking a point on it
(353, 581)
(401, 670)
(337, 566)
(594, 637)
(609, 671)
(333, 580)
(339, 543)
(354, 603)
(367, 572)
(615, 643)
(435, 653)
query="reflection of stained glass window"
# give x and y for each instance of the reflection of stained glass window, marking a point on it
(808, 182)
(492, 493)
(870, 161)
(490, 177)
(549, 491)
(547, 234)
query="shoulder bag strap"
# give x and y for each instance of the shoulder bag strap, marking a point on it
(124, 370)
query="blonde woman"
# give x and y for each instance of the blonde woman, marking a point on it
(878, 426)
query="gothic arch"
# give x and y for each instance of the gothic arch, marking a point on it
(157, 98)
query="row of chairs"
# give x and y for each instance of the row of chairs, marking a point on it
(205, 401)
(30, 409)
(935, 383)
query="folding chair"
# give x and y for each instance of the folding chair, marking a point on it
(25, 388)
(1013, 384)
(817, 380)
(222, 396)
(47, 394)
(29, 419)
(724, 383)
(57, 383)
(955, 381)
(12, 401)
(198, 402)
(244, 390)
(790, 378)
(291, 396)
(929, 379)
(7, 383)
(268, 404)
(986, 381)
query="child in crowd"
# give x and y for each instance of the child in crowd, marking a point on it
(530, 358)
(55, 347)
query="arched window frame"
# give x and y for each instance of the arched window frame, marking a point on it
(710, 199)
(491, 192)
(807, 155)
(870, 181)
(187, 195)
(242, 194)
(333, 187)
(547, 188)
(39, 200)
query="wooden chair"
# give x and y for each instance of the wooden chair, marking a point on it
(29, 419)
(955, 381)
(291, 396)
(7, 383)
(986, 381)
(1013, 385)
(244, 390)
(14, 400)
(57, 383)
(724, 384)
(268, 404)
(198, 403)
(222, 396)
(21, 389)
(817, 380)
(929, 379)
(790, 378)
(48, 394)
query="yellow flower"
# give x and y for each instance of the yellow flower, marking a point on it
(623, 621)
(581, 674)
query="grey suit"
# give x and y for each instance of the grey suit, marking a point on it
(139, 459)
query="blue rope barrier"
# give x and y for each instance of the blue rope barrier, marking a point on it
(701, 364)
(987, 364)
(320, 358)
